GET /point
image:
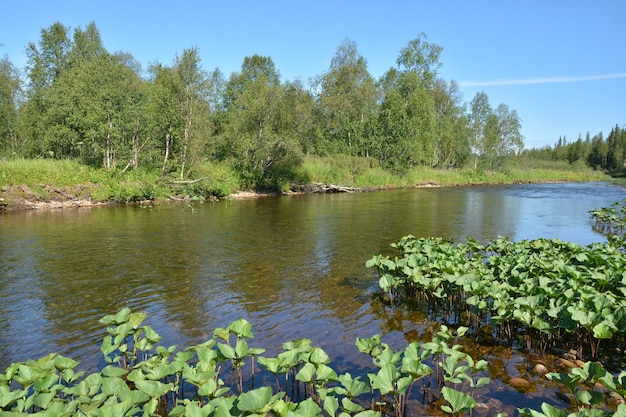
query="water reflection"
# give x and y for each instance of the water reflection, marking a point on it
(292, 266)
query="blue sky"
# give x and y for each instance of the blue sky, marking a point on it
(560, 64)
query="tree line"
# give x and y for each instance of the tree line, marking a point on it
(596, 152)
(77, 100)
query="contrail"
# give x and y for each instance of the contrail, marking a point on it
(545, 80)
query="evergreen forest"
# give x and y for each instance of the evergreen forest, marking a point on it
(77, 100)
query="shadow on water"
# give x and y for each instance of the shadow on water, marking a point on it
(292, 266)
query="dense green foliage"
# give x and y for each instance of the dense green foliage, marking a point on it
(611, 220)
(603, 154)
(143, 378)
(80, 101)
(24, 182)
(535, 293)
(58, 181)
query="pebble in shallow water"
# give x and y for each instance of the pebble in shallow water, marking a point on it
(540, 369)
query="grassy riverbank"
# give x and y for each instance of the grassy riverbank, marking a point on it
(65, 183)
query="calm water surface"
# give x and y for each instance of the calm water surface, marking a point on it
(293, 266)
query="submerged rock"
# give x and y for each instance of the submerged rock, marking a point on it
(517, 382)
(565, 364)
(540, 369)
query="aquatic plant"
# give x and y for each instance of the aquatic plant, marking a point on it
(610, 220)
(143, 378)
(534, 292)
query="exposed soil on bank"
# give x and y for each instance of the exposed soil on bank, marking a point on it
(23, 197)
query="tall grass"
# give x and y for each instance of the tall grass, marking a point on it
(45, 176)
(61, 173)
(364, 173)
(76, 180)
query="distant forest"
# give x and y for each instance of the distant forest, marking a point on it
(77, 100)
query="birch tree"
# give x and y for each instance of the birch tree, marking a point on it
(10, 88)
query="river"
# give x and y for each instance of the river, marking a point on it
(293, 266)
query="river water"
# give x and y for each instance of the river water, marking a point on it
(293, 266)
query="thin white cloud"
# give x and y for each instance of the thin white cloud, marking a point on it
(544, 80)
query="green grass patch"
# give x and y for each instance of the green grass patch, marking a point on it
(48, 179)
(33, 172)
(364, 173)
(208, 179)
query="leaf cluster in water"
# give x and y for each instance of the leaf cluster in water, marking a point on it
(542, 293)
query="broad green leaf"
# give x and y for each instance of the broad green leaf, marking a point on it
(281, 408)
(134, 396)
(45, 382)
(223, 406)
(570, 381)
(620, 411)
(107, 347)
(221, 333)
(318, 356)
(459, 401)
(541, 325)
(151, 335)
(524, 317)
(387, 356)
(62, 363)
(350, 405)
(602, 331)
(368, 346)
(8, 396)
(227, 351)
(387, 282)
(307, 408)
(207, 357)
(289, 359)
(302, 344)
(135, 319)
(584, 318)
(551, 411)
(113, 371)
(447, 409)
(153, 388)
(385, 379)
(116, 409)
(326, 373)
(582, 257)
(113, 386)
(481, 382)
(255, 400)
(589, 397)
(354, 387)
(461, 331)
(42, 399)
(118, 318)
(306, 373)
(403, 384)
(271, 364)
(241, 328)
(241, 348)
(416, 368)
(331, 405)
(27, 375)
(255, 351)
